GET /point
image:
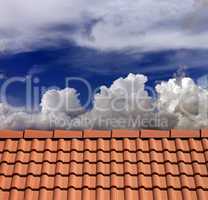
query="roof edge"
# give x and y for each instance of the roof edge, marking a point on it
(115, 133)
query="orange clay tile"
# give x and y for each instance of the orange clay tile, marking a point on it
(125, 133)
(123, 166)
(154, 134)
(38, 134)
(67, 134)
(11, 134)
(97, 134)
(204, 133)
(184, 133)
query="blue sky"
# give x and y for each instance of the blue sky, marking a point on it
(52, 66)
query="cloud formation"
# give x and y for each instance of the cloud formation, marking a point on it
(61, 101)
(105, 25)
(185, 99)
(127, 103)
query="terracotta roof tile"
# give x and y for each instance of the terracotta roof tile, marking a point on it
(5, 182)
(145, 194)
(45, 194)
(77, 145)
(67, 134)
(74, 194)
(127, 167)
(103, 194)
(60, 194)
(125, 133)
(15, 194)
(204, 133)
(154, 134)
(89, 194)
(142, 145)
(34, 168)
(4, 194)
(184, 133)
(11, 134)
(38, 134)
(97, 134)
(173, 181)
(103, 145)
(117, 194)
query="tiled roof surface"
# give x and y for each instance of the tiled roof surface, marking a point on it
(106, 165)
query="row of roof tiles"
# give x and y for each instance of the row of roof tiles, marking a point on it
(106, 146)
(114, 169)
(105, 134)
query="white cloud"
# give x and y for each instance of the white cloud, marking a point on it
(116, 25)
(178, 103)
(57, 105)
(185, 99)
(63, 101)
(127, 104)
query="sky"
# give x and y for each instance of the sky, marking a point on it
(106, 43)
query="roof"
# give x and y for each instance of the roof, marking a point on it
(117, 164)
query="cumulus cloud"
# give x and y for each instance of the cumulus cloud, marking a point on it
(107, 25)
(127, 103)
(56, 106)
(61, 101)
(186, 100)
